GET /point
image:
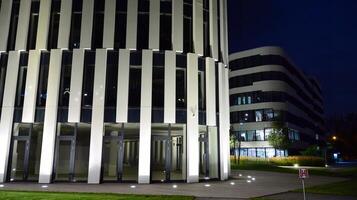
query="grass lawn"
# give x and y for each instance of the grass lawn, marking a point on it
(261, 165)
(15, 195)
(346, 188)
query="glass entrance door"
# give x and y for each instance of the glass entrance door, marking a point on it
(204, 156)
(65, 158)
(25, 152)
(120, 153)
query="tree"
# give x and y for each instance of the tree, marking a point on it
(279, 136)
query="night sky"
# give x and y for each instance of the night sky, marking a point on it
(320, 36)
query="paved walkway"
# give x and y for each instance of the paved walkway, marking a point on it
(309, 196)
(249, 184)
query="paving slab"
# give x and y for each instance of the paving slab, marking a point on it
(243, 184)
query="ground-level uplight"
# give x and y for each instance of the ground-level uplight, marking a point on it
(249, 176)
(296, 165)
(232, 183)
(44, 186)
(249, 181)
(133, 186)
(174, 186)
(207, 185)
(1, 186)
(240, 175)
(253, 179)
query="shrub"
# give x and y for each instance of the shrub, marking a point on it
(301, 160)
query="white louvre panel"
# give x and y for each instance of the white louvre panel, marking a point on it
(64, 24)
(211, 91)
(109, 24)
(97, 126)
(223, 31)
(213, 28)
(43, 24)
(5, 15)
(7, 112)
(145, 117)
(87, 24)
(123, 86)
(223, 123)
(50, 122)
(75, 97)
(33, 69)
(170, 87)
(228, 119)
(198, 26)
(192, 119)
(154, 25)
(23, 25)
(177, 25)
(131, 24)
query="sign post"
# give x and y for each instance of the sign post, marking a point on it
(303, 174)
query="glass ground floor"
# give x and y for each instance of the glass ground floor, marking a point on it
(120, 153)
(262, 152)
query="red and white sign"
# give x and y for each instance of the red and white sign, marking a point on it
(303, 173)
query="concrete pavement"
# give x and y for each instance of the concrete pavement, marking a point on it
(244, 184)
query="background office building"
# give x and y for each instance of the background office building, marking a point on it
(114, 90)
(266, 87)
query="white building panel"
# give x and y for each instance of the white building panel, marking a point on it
(7, 112)
(33, 70)
(123, 86)
(64, 24)
(170, 87)
(154, 25)
(97, 126)
(177, 25)
(192, 119)
(145, 117)
(23, 25)
(198, 26)
(213, 28)
(75, 97)
(109, 24)
(131, 24)
(43, 24)
(223, 121)
(211, 91)
(87, 24)
(50, 122)
(5, 15)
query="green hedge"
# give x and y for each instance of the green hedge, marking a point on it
(283, 161)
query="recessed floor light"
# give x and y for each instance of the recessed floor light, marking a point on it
(132, 186)
(174, 186)
(240, 175)
(1, 186)
(249, 176)
(253, 179)
(232, 183)
(44, 186)
(249, 181)
(207, 185)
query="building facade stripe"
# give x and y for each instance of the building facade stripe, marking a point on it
(33, 70)
(97, 126)
(197, 19)
(170, 87)
(211, 92)
(75, 97)
(192, 119)
(109, 24)
(213, 28)
(50, 122)
(177, 25)
(23, 25)
(43, 24)
(7, 111)
(64, 24)
(154, 25)
(123, 86)
(87, 24)
(145, 117)
(5, 16)
(132, 24)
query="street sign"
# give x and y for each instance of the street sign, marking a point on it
(303, 173)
